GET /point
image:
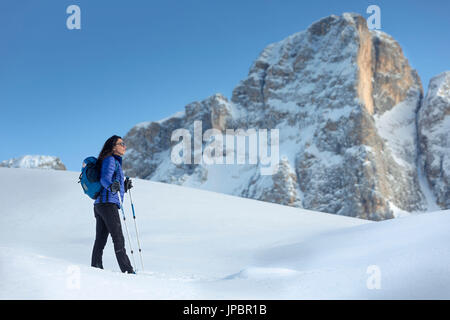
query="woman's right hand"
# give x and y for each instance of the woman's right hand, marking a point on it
(127, 184)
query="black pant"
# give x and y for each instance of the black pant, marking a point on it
(108, 222)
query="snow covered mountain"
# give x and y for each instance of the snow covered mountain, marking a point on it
(198, 244)
(434, 136)
(34, 161)
(345, 101)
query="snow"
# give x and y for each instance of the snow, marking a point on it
(384, 37)
(178, 114)
(398, 129)
(440, 86)
(199, 244)
(430, 198)
(145, 124)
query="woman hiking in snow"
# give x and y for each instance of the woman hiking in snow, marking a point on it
(107, 205)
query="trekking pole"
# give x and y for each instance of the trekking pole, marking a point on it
(126, 228)
(137, 233)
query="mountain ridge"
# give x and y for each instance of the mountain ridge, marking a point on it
(344, 99)
(34, 161)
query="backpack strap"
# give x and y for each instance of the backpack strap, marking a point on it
(101, 189)
(114, 174)
(115, 170)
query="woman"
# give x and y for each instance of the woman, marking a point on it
(107, 205)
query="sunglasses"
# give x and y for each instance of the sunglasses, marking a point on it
(122, 144)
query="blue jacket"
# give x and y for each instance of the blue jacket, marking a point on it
(111, 171)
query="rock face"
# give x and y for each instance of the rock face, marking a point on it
(34, 161)
(344, 100)
(434, 136)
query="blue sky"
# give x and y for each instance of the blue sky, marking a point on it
(64, 92)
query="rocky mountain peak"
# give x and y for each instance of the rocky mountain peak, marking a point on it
(434, 137)
(344, 99)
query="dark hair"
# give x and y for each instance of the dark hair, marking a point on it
(107, 150)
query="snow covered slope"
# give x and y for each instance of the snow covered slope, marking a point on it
(34, 161)
(204, 245)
